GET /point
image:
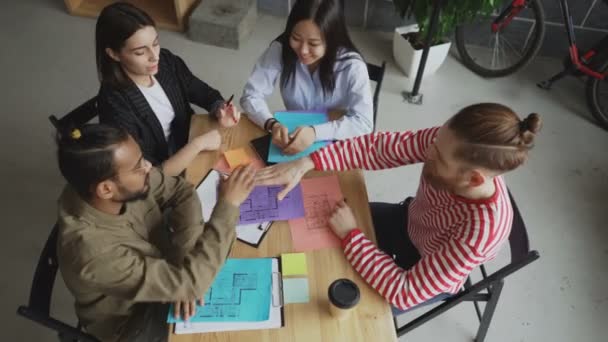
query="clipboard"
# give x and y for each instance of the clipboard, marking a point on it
(275, 321)
(264, 227)
(207, 193)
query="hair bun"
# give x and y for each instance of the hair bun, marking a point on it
(532, 123)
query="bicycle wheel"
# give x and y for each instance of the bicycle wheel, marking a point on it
(505, 42)
(597, 97)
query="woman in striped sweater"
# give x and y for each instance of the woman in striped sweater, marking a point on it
(460, 216)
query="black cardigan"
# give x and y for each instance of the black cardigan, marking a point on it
(128, 108)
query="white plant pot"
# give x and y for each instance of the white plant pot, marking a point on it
(408, 58)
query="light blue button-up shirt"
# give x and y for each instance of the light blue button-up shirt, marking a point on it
(305, 92)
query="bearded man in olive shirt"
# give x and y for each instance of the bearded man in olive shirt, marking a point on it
(116, 254)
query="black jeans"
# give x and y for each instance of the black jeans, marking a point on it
(390, 225)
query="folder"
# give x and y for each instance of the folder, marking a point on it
(275, 320)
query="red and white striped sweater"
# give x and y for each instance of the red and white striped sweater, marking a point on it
(452, 234)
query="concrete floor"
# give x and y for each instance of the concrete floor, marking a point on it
(48, 68)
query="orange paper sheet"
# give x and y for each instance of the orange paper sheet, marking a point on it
(320, 195)
(237, 158)
(245, 154)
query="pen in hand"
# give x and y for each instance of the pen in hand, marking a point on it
(228, 103)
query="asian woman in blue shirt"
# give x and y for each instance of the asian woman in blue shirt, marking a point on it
(318, 68)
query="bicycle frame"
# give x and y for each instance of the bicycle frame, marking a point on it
(573, 48)
(508, 14)
(578, 63)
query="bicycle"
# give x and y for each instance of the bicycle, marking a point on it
(515, 34)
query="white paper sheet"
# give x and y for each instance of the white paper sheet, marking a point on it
(207, 192)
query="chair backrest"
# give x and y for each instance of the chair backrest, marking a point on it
(44, 277)
(521, 255)
(376, 74)
(38, 308)
(518, 238)
(80, 115)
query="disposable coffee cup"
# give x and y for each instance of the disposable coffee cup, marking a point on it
(343, 296)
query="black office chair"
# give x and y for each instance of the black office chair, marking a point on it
(38, 307)
(376, 74)
(79, 116)
(492, 284)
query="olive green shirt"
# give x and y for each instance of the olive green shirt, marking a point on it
(112, 262)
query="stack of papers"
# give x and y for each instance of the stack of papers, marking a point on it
(250, 233)
(241, 292)
(271, 309)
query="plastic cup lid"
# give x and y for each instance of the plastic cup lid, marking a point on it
(344, 293)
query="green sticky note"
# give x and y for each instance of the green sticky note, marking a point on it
(294, 264)
(295, 290)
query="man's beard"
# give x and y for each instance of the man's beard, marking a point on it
(132, 196)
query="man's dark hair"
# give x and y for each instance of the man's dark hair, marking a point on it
(86, 155)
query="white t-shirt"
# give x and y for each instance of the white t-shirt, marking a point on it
(160, 104)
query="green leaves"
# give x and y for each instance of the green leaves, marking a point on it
(453, 13)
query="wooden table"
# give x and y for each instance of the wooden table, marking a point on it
(372, 319)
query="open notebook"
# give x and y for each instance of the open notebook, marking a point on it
(251, 234)
(275, 318)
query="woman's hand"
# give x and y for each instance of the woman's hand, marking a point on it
(228, 115)
(209, 141)
(301, 139)
(288, 174)
(280, 135)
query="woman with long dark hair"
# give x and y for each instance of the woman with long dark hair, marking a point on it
(148, 90)
(318, 68)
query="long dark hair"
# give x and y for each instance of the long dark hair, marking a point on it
(116, 23)
(329, 16)
(86, 155)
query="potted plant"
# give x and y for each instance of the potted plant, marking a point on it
(408, 41)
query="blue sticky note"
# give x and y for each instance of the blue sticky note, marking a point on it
(295, 290)
(241, 292)
(293, 120)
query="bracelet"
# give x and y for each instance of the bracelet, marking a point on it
(272, 125)
(269, 121)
